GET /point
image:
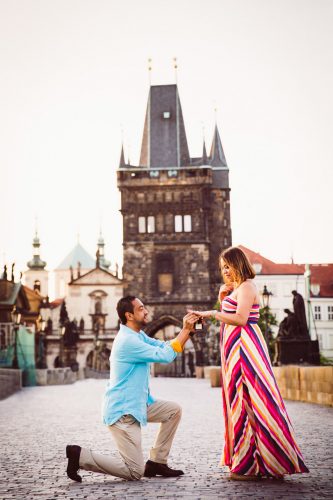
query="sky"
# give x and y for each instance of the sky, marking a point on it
(74, 84)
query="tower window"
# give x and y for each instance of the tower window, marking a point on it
(183, 223)
(166, 115)
(142, 224)
(165, 272)
(178, 223)
(151, 224)
(146, 224)
(187, 223)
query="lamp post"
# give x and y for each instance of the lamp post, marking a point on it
(266, 295)
(16, 318)
(44, 314)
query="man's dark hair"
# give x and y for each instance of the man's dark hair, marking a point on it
(125, 305)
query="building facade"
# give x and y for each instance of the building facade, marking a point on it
(176, 216)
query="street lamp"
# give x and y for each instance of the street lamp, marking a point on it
(266, 295)
(16, 318)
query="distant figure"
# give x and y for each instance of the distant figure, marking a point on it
(190, 363)
(299, 309)
(289, 326)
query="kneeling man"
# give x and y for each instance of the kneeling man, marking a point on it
(128, 403)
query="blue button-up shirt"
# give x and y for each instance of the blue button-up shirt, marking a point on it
(127, 391)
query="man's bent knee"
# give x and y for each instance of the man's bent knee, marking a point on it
(176, 411)
(137, 472)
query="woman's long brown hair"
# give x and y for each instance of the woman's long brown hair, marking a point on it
(239, 264)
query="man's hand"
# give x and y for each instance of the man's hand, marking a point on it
(225, 290)
(189, 321)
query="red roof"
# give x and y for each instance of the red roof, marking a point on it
(321, 274)
(56, 303)
(270, 267)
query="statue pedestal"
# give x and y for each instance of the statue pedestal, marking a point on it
(293, 351)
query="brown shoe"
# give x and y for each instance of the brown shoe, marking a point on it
(153, 469)
(73, 455)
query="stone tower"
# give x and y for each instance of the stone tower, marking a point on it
(176, 215)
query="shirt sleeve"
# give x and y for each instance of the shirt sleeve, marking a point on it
(141, 351)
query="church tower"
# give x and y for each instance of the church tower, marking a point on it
(36, 277)
(176, 215)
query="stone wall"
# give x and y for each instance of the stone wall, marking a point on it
(58, 376)
(311, 384)
(10, 382)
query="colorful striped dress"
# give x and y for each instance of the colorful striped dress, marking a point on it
(259, 438)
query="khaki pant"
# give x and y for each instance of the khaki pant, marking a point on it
(127, 435)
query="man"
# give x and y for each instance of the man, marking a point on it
(128, 403)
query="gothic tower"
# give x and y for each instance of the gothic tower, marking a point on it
(176, 215)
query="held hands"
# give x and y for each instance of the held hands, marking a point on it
(203, 314)
(189, 321)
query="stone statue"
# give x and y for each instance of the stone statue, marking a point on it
(49, 326)
(13, 272)
(98, 258)
(72, 274)
(81, 325)
(4, 275)
(289, 327)
(299, 309)
(79, 269)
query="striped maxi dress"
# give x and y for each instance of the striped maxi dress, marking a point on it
(259, 438)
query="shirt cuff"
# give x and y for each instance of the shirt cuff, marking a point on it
(176, 345)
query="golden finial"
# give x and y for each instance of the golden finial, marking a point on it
(150, 67)
(175, 66)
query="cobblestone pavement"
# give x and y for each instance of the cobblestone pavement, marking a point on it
(37, 423)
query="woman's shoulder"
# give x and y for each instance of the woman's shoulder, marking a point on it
(248, 287)
(248, 284)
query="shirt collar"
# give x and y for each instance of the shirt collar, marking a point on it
(125, 329)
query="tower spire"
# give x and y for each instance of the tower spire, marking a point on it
(36, 262)
(217, 157)
(122, 162)
(103, 262)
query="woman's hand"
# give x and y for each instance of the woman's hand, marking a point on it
(203, 314)
(225, 290)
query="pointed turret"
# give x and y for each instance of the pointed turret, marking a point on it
(164, 142)
(103, 262)
(217, 158)
(122, 162)
(36, 262)
(204, 153)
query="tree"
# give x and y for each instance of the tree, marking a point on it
(266, 320)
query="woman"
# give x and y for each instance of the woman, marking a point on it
(259, 439)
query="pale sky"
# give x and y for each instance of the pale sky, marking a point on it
(74, 72)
